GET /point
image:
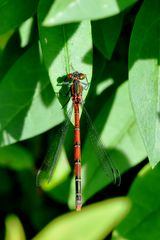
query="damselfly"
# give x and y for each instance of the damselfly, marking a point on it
(76, 85)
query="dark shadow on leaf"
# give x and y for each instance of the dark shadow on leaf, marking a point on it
(64, 92)
(10, 54)
(56, 36)
(103, 70)
(112, 190)
(122, 4)
(99, 179)
(87, 57)
(62, 35)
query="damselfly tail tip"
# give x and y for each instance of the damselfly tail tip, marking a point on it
(78, 208)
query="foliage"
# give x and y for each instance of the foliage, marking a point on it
(145, 212)
(116, 44)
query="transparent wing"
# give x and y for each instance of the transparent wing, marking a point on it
(109, 167)
(46, 171)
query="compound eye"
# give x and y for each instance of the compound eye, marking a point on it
(81, 76)
(69, 76)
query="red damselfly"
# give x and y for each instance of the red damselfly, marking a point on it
(76, 84)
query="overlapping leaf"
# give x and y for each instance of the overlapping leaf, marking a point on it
(14, 229)
(144, 214)
(65, 11)
(28, 106)
(91, 223)
(144, 76)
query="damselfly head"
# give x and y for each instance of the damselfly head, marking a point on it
(82, 76)
(76, 76)
(70, 76)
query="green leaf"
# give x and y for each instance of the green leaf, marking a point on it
(15, 157)
(89, 224)
(25, 31)
(121, 138)
(28, 105)
(106, 33)
(14, 229)
(12, 15)
(144, 77)
(65, 11)
(143, 221)
(65, 48)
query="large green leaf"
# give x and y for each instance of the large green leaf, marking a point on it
(12, 15)
(65, 11)
(119, 135)
(28, 106)
(15, 157)
(94, 222)
(14, 229)
(144, 77)
(143, 221)
(65, 48)
(106, 33)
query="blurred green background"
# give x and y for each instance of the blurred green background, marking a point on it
(116, 44)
